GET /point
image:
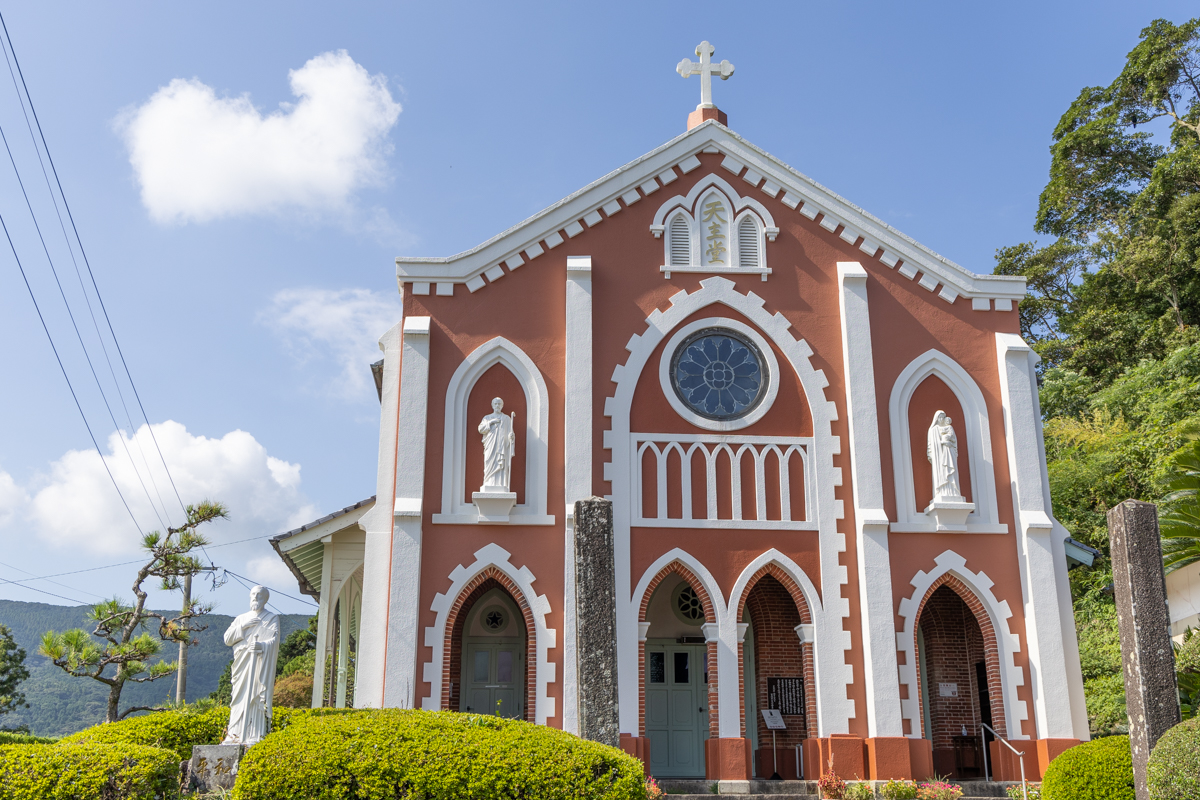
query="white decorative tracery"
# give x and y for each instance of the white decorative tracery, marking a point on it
(1007, 642)
(984, 518)
(494, 556)
(714, 229)
(455, 508)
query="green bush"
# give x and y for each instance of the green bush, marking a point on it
(391, 754)
(87, 772)
(1174, 771)
(8, 737)
(1101, 769)
(171, 730)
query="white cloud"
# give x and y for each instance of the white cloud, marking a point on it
(342, 326)
(75, 507)
(12, 498)
(199, 157)
(270, 571)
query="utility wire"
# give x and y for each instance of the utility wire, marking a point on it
(91, 274)
(67, 378)
(56, 583)
(71, 315)
(83, 289)
(274, 591)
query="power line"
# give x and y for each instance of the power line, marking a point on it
(58, 358)
(274, 591)
(87, 263)
(56, 583)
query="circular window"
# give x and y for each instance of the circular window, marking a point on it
(719, 374)
(494, 619)
(688, 606)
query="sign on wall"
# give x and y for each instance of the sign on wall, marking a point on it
(786, 695)
(947, 690)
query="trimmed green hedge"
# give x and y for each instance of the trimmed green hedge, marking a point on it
(8, 737)
(391, 754)
(1101, 769)
(1174, 771)
(171, 730)
(87, 772)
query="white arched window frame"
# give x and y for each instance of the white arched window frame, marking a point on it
(455, 509)
(681, 240)
(974, 427)
(691, 206)
(748, 217)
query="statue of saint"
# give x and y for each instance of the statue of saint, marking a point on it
(254, 637)
(499, 444)
(942, 451)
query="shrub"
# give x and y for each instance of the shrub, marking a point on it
(1101, 769)
(1174, 771)
(10, 737)
(171, 730)
(859, 791)
(294, 691)
(378, 754)
(87, 772)
(1015, 793)
(939, 790)
(830, 785)
(899, 790)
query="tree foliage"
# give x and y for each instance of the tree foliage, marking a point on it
(119, 639)
(12, 672)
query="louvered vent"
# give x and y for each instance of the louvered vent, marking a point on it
(748, 243)
(681, 242)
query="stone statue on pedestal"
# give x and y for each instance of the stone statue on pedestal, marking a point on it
(254, 637)
(495, 499)
(948, 509)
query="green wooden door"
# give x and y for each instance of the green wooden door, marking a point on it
(676, 709)
(493, 679)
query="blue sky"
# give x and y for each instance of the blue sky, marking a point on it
(244, 248)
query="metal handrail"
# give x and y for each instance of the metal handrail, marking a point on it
(1020, 756)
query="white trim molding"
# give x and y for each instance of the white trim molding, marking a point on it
(826, 510)
(975, 424)
(1007, 642)
(545, 638)
(1040, 548)
(870, 521)
(771, 366)
(455, 509)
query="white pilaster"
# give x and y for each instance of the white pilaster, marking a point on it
(577, 481)
(880, 671)
(324, 622)
(1039, 540)
(377, 523)
(400, 674)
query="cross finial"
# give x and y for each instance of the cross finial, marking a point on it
(705, 69)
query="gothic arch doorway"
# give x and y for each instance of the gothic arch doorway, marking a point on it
(490, 642)
(958, 678)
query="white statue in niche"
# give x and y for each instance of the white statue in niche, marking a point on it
(942, 451)
(495, 500)
(948, 508)
(254, 637)
(499, 445)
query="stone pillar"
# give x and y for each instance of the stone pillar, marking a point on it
(596, 621)
(1145, 625)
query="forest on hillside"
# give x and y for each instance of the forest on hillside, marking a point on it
(1113, 308)
(60, 704)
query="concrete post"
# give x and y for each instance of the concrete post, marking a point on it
(596, 625)
(1145, 625)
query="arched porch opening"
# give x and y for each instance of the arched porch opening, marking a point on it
(776, 668)
(491, 663)
(677, 672)
(958, 684)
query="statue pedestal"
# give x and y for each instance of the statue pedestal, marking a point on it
(214, 766)
(950, 513)
(494, 506)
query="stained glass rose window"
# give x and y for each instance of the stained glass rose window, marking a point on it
(719, 374)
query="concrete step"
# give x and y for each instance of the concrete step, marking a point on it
(682, 789)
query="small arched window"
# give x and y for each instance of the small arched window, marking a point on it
(680, 241)
(748, 243)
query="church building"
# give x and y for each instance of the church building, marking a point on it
(823, 448)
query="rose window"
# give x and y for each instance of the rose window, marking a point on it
(719, 374)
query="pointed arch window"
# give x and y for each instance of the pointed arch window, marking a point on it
(679, 241)
(748, 243)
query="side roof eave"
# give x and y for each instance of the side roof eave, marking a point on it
(528, 239)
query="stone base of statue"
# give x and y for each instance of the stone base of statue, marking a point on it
(950, 513)
(213, 767)
(494, 504)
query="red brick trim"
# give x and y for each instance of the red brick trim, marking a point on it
(710, 615)
(991, 650)
(478, 586)
(806, 650)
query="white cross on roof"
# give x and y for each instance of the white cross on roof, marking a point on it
(705, 69)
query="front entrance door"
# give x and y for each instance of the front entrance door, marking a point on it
(676, 708)
(491, 680)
